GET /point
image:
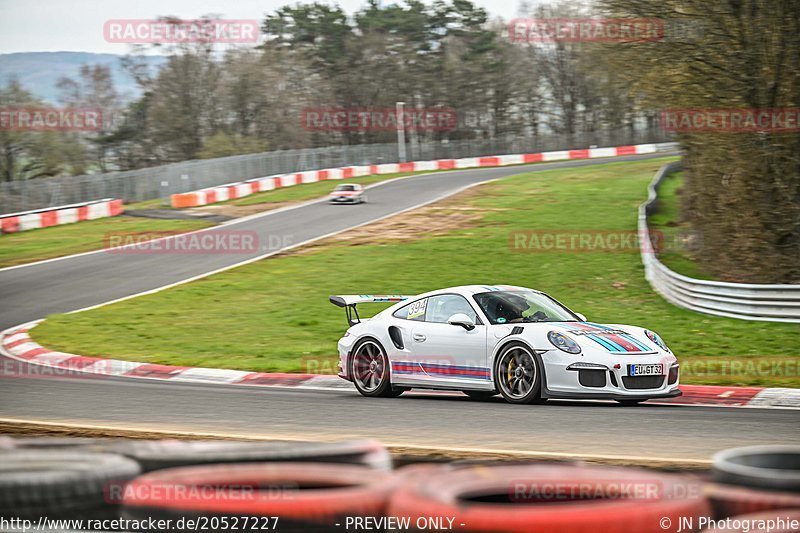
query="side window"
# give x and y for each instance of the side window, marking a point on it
(413, 311)
(441, 308)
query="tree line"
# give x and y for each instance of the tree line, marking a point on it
(210, 102)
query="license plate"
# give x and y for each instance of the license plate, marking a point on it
(646, 370)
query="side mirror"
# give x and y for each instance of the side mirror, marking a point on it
(581, 316)
(460, 319)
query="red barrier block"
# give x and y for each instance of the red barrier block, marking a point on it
(115, 207)
(626, 150)
(48, 218)
(9, 225)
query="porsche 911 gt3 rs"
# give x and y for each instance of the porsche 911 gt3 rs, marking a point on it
(500, 339)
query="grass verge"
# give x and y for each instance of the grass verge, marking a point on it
(273, 315)
(677, 254)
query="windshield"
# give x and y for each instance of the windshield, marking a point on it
(502, 307)
(346, 188)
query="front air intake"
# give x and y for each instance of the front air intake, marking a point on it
(592, 378)
(643, 382)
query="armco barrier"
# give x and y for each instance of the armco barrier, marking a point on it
(268, 183)
(770, 303)
(54, 216)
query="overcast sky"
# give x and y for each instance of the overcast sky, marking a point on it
(77, 25)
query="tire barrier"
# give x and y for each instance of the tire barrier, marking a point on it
(780, 520)
(60, 484)
(300, 483)
(59, 443)
(547, 498)
(310, 497)
(730, 500)
(158, 455)
(766, 467)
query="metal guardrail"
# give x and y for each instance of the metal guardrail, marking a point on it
(769, 303)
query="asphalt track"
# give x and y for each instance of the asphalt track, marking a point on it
(35, 291)
(427, 419)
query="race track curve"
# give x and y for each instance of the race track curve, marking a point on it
(35, 291)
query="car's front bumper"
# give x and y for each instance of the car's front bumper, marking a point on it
(629, 395)
(344, 199)
(608, 377)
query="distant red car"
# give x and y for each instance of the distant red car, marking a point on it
(348, 193)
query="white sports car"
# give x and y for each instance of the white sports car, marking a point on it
(348, 193)
(485, 340)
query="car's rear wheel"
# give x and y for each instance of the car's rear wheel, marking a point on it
(517, 374)
(369, 367)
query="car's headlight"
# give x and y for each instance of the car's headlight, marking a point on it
(563, 343)
(653, 336)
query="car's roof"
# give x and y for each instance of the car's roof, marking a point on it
(477, 289)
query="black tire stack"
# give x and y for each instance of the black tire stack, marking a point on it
(318, 487)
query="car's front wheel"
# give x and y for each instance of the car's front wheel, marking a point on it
(369, 367)
(517, 374)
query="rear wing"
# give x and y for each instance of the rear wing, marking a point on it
(349, 302)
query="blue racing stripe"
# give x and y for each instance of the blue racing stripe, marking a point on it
(607, 343)
(627, 336)
(630, 338)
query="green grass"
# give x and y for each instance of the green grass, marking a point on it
(47, 243)
(273, 315)
(666, 219)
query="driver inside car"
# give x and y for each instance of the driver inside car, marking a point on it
(511, 308)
